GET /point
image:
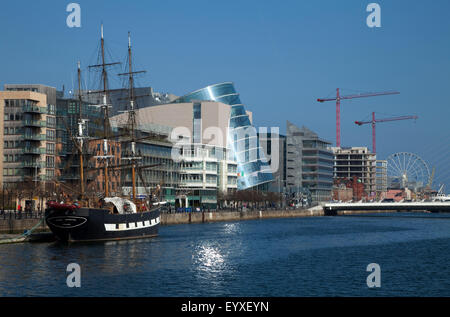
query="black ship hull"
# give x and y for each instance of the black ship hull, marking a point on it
(93, 224)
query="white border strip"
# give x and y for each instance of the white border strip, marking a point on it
(132, 225)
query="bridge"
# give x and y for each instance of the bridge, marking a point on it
(332, 209)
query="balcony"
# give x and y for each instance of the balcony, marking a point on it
(31, 164)
(211, 171)
(34, 109)
(191, 170)
(191, 183)
(34, 123)
(33, 137)
(34, 150)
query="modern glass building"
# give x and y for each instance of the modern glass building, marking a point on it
(244, 148)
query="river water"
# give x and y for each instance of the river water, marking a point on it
(317, 256)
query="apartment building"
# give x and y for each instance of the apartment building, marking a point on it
(309, 163)
(29, 147)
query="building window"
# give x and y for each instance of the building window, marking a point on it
(50, 135)
(197, 111)
(50, 161)
(197, 123)
(51, 122)
(51, 109)
(50, 148)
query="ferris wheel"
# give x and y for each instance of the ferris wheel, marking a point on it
(407, 170)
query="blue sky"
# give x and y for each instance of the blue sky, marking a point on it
(281, 55)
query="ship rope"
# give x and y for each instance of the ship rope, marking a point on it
(23, 236)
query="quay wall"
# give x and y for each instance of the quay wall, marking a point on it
(200, 217)
(11, 225)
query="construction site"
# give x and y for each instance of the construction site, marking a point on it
(359, 175)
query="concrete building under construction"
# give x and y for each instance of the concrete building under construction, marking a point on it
(360, 163)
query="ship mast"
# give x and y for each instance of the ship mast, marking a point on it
(132, 118)
(80, 132)
(105, 117)
(105, 106)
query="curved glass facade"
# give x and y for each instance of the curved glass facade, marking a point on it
(242, 137)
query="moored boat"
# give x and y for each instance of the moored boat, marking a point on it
(71, 223)
(115, 217)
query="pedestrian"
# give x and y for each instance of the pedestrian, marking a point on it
(19, 209)
(27, 210)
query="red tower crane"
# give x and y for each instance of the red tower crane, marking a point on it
(338, 99)
(374, 121)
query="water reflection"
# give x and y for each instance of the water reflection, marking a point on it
(208, 258)
(232, 228)
(211, 267)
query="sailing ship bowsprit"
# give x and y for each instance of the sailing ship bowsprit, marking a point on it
(75, 222)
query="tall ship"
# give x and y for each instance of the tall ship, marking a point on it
(108, 218)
